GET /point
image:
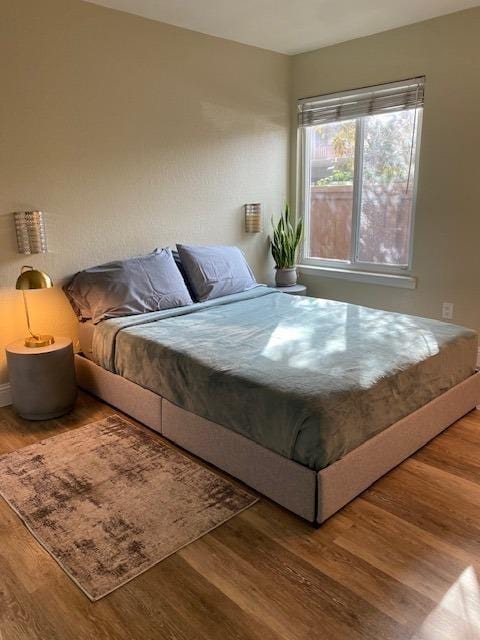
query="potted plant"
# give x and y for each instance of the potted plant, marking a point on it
(284, 245)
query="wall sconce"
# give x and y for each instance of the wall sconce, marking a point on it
(253, 217)
(31, 235)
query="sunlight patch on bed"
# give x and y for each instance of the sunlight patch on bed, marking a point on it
(285, 340)
(457, 616)
(300, 346)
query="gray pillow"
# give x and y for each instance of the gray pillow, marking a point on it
(214, 272)
(128, 287)
(179, 264)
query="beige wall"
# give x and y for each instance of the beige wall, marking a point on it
(132, 134)
(447, 228)
(129, 134)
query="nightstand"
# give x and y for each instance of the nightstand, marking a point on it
(42, 379)
(294, 290)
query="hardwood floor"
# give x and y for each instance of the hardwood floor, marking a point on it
(400, 562)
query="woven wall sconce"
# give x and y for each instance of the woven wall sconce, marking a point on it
(253, 217)
(30, 229)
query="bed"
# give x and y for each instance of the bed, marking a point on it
(306, 400)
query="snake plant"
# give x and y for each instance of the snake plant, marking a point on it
(285, 241)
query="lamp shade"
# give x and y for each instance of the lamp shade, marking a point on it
(32, 279)
(31, 234)
(253, 217)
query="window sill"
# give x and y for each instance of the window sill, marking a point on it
(367, 277)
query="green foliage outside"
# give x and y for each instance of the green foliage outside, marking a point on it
(337, 177)
(386, 152)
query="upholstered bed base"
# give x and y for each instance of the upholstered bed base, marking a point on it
(312, 495)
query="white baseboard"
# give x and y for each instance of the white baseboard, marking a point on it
(5, 395)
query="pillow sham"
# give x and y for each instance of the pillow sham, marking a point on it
(179, 264)
(214, 272)
(128, 287)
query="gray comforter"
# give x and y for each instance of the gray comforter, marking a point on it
(308, 378)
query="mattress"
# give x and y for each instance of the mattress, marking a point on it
(308, 378)
(85, 337)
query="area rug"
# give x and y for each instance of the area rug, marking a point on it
(110, 500)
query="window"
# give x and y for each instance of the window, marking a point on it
(358, 166)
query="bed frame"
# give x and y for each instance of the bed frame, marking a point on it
(314, 496)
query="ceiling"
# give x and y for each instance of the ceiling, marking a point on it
(289, 26)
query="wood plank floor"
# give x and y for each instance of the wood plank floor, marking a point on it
(400, 562)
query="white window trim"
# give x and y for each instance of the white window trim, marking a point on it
(371, 273)
(360, 275)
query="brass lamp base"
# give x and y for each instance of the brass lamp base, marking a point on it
(39, 341)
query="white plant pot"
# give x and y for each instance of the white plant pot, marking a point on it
(285, 277)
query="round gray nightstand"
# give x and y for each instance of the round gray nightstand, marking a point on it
(294, 290)
(42, 379)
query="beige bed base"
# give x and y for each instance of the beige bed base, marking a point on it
(312, 495)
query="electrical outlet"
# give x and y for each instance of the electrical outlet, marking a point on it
(447, 310)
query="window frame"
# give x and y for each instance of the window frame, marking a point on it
(303, 206)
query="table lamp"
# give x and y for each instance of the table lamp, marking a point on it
(30, 278)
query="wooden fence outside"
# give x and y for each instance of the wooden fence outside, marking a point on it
(385, 223)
